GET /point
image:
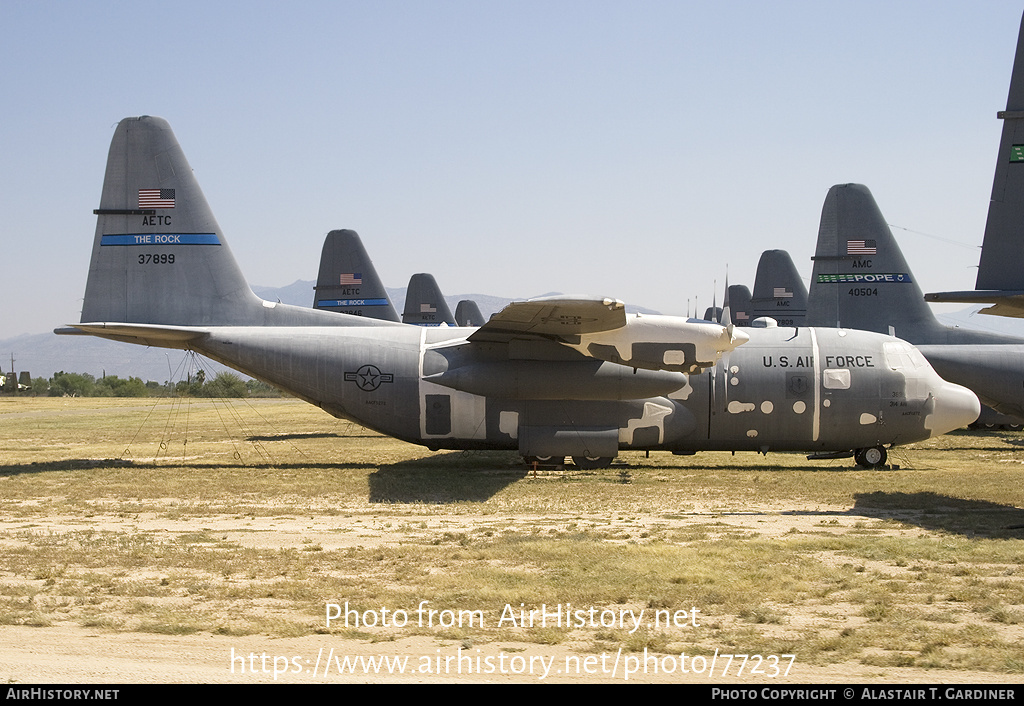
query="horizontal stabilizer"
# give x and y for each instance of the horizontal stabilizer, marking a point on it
(145, 334)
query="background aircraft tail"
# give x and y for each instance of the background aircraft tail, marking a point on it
(467, 313)
(424, 303)
(778, 290)
(713, 313)
(348, 282)
(860, 278)
(1004, 230)
(739, 304)
(159, 256)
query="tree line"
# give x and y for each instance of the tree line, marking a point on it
(225, 384)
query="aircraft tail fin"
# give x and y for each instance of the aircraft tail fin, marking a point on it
(158, 256)
(713, 313)
(860, 278)
(778, 290)
(739, 302)
(424, 303)
(467, 313)
(1004, 229)
(348, 281)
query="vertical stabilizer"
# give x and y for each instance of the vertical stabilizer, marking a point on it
(1004, 230)
(713, 313)
(739, 304)
(778, 290)
(860, 278)
(158, 255)
(348, 282)
(424, 303)
(467, 313)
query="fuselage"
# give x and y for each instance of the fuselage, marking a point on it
(786, 389)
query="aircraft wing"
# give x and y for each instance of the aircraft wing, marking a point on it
(552, 318)
(1004, 302)
(600, 329)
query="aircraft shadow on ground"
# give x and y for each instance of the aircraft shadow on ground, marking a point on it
(445, 478)
(943, 513)
(76, 464)
(66, 464)
(308, 435)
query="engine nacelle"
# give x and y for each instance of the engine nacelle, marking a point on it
(661, 343)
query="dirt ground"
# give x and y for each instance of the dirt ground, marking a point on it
(103, 528)
(68, 653)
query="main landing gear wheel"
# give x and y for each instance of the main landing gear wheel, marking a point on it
(592, 462)
(872, 457)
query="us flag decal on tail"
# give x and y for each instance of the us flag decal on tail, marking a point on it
(156, 198)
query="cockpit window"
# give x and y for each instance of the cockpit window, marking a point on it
(903, 356)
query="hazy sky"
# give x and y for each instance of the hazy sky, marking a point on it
(627, 149)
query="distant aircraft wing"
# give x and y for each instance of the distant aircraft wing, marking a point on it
(552, 318)
(1004, 302)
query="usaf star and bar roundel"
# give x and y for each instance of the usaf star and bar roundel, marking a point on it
(369, 377)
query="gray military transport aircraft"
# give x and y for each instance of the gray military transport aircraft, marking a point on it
(862, 281)
(550, 377)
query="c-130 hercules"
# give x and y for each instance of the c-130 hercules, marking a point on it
(554, 377)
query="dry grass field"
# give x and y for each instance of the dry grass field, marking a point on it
(207, 541)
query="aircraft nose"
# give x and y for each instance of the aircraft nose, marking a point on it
(954, 408)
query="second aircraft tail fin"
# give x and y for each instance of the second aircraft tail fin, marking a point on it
(860, 278)
(739, 304)
(348, 281)
(778, 290)
(424, 303)
(467, 313)
(1004, 230)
